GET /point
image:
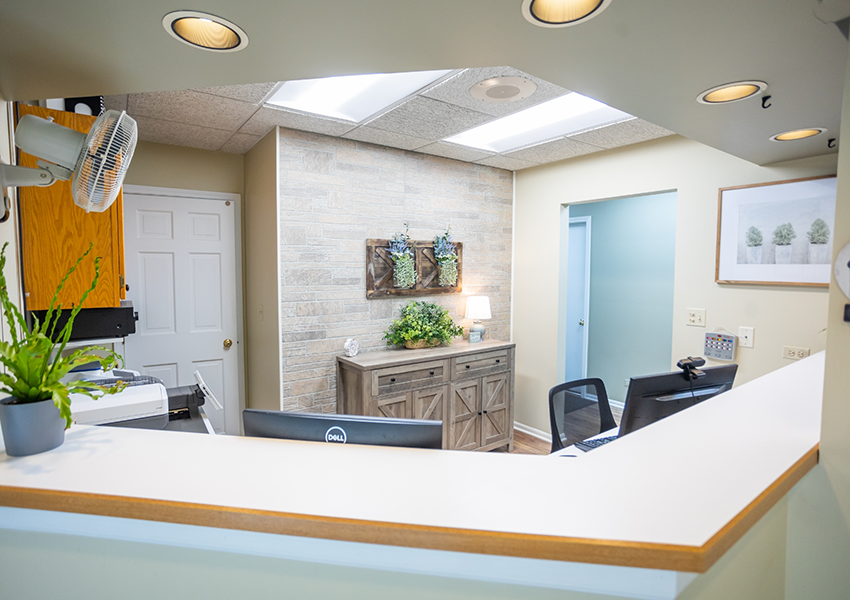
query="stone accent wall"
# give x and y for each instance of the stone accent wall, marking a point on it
(334, 195)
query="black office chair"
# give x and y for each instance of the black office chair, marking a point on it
(578, 410)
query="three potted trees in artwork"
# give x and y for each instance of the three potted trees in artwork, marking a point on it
(783, 237)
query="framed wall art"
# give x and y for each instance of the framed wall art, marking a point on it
(777, 233)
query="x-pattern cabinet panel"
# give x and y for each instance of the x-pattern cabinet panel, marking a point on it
(469, 387)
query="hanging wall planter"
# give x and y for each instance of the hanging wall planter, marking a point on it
(404, 270)
(446, 254)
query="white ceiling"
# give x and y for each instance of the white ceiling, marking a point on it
(649, 58)
(234, 118)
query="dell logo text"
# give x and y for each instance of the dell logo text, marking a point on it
(336, 435)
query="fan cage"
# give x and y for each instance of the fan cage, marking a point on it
(103, 163)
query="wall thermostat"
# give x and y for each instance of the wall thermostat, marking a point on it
(720, 346)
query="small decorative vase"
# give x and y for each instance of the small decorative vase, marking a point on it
(754, 255)
(32, 427)
(404, 273)
(448, 272)
(783, 255)
(422, 343)
(818, 254)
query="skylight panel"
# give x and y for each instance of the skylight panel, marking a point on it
(351, 97)
(562, 116)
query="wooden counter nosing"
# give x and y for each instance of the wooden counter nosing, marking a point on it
(695, 559)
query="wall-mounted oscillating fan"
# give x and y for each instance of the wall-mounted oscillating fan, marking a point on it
(96, 163)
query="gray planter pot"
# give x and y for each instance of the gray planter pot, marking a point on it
(31, 428)
(754, 255)
(818, 254)
(783, 255)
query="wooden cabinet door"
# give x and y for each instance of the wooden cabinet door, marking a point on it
(430, 404)
(464, 421)
(496, 418)
(397, 407)
(55, 232)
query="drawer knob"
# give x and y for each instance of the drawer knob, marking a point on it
(498, 361)
(432, 372)
(479, 413)
(485, 412)
(467, 366)
(392, 379)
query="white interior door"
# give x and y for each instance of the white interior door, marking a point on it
(578, 298)
(180, 259)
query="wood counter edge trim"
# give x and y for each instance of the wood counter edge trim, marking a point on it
(694, 559)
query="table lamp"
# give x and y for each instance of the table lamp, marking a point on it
(477, 308)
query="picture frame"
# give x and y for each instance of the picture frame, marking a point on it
(764, 232)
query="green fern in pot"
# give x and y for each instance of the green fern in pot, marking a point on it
(38, 410)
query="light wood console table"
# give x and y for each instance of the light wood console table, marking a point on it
(470, 387)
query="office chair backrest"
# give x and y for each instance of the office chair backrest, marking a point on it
(578, 410)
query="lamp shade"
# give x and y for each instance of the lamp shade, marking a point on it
(478, 307)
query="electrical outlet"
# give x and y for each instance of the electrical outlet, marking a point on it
(795, 353)
(746, 337)
(696, 317)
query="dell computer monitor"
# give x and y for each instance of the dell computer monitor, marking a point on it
(652, 397)
(343, 429)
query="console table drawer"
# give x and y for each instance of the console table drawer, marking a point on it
(484, 363)
(408, 377)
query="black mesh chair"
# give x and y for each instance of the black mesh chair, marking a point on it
(578, 410)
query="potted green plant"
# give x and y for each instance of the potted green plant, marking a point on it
(818, 242)
(446, 254)
(422, 325)
(38, 410)
(404, 273)
(782, 238)
(754, 241)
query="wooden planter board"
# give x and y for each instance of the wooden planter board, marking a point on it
(379, 271)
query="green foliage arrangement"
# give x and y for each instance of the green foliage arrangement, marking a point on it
(783, 235)
(404, 273)
(422, 321)
(754, 237)
(446, 254)
(819, 233)
(34, 362)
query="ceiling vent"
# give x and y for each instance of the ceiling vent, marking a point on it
(500, 90)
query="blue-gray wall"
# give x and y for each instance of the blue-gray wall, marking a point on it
(633, 245)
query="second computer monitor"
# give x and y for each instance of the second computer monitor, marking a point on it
(653, 397)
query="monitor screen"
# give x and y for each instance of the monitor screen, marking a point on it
(343, 429)
(652, 397)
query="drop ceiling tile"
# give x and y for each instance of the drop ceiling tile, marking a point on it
(454, 151)
(429, 119)
(115, 102)
(622, 134)
(253, 93)
(456, 91)
(266, 118)
(240, 143)
(191, 108)
(505, 162)
(386, 138)
(179, 134)
(546, 152)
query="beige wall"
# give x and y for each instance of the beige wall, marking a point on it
(167, 166)
(9, 229)
(780, 315)
(334, 195)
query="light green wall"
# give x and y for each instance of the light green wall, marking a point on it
(633, 246)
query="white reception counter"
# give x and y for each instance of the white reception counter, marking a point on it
(637, 518)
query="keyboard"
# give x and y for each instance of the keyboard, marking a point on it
(588, 445)
(131, 381)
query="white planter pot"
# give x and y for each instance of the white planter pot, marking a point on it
(818, 254)
(782, 255)
(754, 255)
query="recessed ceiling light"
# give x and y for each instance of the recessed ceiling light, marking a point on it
(732, 92)
(500, 90)
(562, 116)
(205, 31)
(797, 134)
(351, 97)
(561, 13)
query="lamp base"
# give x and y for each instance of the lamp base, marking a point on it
(478, 328)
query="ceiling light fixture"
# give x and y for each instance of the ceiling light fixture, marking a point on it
(205, 31)
(500, 90)
(351, 97)
(565, 115)
(732, 92)
(561, 13)
(797, 134)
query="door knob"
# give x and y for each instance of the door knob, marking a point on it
(581, 322)
(228, 343)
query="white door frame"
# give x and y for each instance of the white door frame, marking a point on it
(586, 332)
(145, 190)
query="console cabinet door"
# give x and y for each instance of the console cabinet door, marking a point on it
(430, 404)
(397, 407)
(464, 421)
(496, 418)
